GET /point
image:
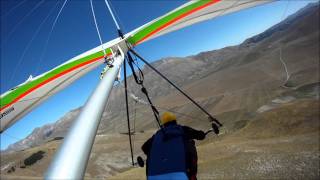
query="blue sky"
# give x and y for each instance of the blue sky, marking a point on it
(24, 34)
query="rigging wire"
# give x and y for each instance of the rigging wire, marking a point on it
(223, 11)
(127, 110)
(176, 112)
(49, 94)
(96, 24)
(21, 20)
(97, 28)
(10, 136)
(138, 99)
(30, 42)
(121, 25)
(101, 41)
(112, 15)
(134, 97)
(285, 10)
(134, 125)
(158, 107)
(176, 87)
(139, 79)
(142, 102)
(16, 6)
(120, 34)
(57, 17)
(49, 36)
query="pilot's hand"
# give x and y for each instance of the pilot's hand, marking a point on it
(202, 135)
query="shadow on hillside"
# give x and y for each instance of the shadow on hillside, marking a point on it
(33, 159)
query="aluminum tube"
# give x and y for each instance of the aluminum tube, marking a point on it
(70, 161)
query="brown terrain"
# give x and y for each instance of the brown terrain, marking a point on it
(271, 128)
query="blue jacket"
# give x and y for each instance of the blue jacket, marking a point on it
(166, 150)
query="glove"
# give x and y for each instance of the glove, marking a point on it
(202, 135)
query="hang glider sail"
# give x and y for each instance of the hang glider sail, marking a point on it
(188, 14)
(18, 101)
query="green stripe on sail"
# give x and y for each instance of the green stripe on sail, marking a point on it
(11, 96)
(7, 99)
(155, 25)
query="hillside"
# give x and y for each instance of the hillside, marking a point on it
(271, 130)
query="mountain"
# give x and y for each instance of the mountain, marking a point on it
(289, 22)
(243, 86)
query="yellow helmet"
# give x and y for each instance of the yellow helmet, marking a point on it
(167, 117)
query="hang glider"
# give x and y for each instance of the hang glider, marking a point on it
(18, 101)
